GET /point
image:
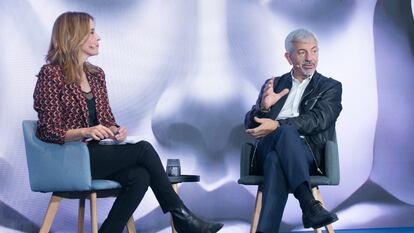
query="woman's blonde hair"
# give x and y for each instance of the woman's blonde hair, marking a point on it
(70, 31)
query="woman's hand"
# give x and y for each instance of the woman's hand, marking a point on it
(120, 133)
(98, 132)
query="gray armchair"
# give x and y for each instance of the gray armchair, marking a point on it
(331, 177)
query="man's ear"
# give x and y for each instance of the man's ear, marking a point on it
(287, 56)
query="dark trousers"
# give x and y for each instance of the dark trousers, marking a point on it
(285, 159)
(136, 167)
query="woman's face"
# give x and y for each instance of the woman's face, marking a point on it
(91, 45)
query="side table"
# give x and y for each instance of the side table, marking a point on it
(175, 180)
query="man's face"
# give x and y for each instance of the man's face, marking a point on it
(303, 58)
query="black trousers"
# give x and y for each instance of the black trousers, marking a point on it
(136, 167)
(286, 160)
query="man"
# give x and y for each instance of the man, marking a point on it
(293, 118)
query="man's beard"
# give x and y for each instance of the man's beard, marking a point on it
(306, 72)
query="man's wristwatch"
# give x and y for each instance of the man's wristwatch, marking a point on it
(264, 110)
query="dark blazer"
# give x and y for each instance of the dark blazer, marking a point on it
(318, 110)
(61, 106)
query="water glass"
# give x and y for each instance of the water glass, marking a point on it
(173, 167)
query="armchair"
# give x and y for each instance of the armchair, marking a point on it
(331, 177)
(65, 171)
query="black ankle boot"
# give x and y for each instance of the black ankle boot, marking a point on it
(186, 222)
(315, 216)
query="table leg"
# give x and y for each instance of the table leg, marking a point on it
(175, 187)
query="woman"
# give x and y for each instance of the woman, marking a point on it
(71, 100)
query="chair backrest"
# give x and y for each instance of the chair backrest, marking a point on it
(332, 169)
(54, 168)
(247, 166)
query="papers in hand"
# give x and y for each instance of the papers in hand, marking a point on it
(132, 139)
(128, 140)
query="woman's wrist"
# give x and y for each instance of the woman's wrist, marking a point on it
(76, 134)
(83, 133)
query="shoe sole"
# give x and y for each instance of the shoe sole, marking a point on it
(219, 227)
(332, 220)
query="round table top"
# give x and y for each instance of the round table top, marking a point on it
(183, 178)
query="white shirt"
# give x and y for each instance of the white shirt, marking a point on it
(291, 106)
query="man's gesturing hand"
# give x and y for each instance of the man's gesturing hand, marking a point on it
(266, 126)
(269, 97)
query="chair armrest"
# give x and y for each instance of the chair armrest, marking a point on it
(55, 167)
(332, 162)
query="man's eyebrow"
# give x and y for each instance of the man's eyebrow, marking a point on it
(314, 47)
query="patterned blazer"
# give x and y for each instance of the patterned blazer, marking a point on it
(61, 106)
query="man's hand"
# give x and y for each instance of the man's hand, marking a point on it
(269, 97)
(266, 126)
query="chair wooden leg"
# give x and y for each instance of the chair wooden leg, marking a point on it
(317, 195)
(50, 214)
(175, 187)
(329, 228)
(81, 215)
(131, 225)
(94, 219)
(319, 230)
(257, 209)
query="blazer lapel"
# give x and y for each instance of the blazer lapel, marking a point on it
(311, 86)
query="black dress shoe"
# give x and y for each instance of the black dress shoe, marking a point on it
(315, 216)
(186, 222)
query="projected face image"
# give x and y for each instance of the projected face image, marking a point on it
(182, 75)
